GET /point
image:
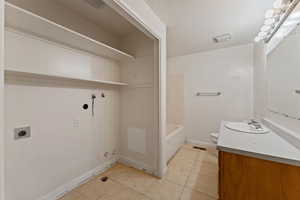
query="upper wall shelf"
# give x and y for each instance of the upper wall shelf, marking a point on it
(28, 22)
(12, 72)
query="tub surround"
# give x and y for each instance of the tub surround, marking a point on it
(175, 139)
(270, 146)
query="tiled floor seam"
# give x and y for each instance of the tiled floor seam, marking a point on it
(126, 186)
(190, 173)
(184, 186)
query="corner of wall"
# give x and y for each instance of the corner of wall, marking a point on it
(2, 159)
(259, 80)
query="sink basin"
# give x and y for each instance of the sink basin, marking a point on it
(246, 128)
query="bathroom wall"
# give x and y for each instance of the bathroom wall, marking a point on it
(259, 80)
(175, 100)
(1, 100)
(229, 71)
(67, 142)
(139, 104)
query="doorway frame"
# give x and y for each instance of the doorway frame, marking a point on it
(142, 16)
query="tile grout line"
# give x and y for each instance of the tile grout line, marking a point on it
(128, 187)
(186, 181)
(185, 185)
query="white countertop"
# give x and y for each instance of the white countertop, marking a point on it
(268, 146)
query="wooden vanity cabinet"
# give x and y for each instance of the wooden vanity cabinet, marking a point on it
(248, 178)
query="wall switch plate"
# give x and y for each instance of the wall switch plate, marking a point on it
(22, 132)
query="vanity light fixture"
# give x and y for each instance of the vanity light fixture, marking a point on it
(272, 13)
(271, 21)
(257, 39)
(262, 34)
(266, 28)
(274, 18)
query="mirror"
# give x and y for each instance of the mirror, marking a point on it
(283, 71)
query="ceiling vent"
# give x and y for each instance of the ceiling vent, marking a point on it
(95, 3)
(222, 38)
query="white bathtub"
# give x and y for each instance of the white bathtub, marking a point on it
(174, 140)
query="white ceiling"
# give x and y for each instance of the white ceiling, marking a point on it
(193, 23)
(104, 17)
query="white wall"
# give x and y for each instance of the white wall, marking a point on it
(1, 100)
(161, 9)
(139, 110)
(225, 70)
(66, 140)
(144, 16)
(175, 100)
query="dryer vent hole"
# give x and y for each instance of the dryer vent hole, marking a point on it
(85, 106)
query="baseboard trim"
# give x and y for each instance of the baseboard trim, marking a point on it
(135, 164)
(62, 190)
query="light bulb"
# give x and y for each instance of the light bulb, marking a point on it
(270, 21)
(269, 13)
(257, 39)
(262, 34)
(266, 28)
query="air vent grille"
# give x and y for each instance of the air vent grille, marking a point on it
(222, 38)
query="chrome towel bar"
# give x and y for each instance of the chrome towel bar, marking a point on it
(208, 94)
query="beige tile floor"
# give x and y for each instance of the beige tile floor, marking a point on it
(192, 175)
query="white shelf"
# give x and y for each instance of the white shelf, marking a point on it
(28, 22)
(10, 72)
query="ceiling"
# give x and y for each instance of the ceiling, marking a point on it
(104, 17)
(193, 23)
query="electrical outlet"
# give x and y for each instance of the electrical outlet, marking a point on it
(22, 132)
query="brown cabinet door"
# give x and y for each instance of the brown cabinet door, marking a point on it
(247, 178)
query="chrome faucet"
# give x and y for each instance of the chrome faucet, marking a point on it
(254, 123)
